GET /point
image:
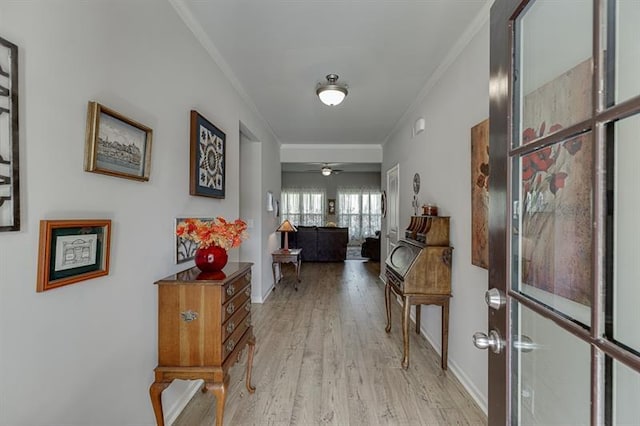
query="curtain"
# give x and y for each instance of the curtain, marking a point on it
(304, 206)
(359, 209)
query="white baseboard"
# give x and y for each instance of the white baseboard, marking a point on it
(475, 393)
(458, 372)
(176, 397)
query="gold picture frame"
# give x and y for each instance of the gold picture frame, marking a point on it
(71, 251)
(116, 145)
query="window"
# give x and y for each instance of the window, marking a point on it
(359, 209)
(303, 206)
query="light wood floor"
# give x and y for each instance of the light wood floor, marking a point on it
(323, 357)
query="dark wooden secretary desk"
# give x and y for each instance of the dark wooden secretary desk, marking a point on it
(418, 270)
(204, 323)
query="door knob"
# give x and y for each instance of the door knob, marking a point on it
(493, 341)
(495, 298)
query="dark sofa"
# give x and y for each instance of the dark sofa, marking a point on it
(320, 243)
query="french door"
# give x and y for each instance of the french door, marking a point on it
(564, 278)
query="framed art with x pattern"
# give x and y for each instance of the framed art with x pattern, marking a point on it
(207, 158)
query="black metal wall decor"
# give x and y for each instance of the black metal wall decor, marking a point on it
(9, 132)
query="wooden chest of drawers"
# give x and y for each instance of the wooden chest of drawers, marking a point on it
(204, 323)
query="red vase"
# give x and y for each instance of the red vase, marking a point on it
(211, 259)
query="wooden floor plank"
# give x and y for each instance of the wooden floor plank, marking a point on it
(323, 358)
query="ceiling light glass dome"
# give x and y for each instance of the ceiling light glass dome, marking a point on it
(331, 93)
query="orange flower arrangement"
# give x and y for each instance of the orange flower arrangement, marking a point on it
(217, 232)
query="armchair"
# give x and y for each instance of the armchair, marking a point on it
(371, 247)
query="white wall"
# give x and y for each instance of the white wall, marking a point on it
(84, 354)
(442, 156)
(250, 211)
(271, 181)
(327, 153)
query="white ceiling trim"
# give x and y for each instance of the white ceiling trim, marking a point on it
(458, 47)
(196, 29)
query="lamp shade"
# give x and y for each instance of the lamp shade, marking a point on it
(331, 93)
(286, 226)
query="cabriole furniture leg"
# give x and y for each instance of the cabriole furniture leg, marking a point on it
(155, 391)
(252, 348)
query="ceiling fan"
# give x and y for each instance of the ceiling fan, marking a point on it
(326, 169)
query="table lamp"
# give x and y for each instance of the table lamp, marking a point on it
(286, 227)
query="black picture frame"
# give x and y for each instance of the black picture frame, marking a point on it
(331, 206)
(9, 140)
(207, 159)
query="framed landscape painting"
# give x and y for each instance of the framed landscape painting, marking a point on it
(207, 158)
(116, 145)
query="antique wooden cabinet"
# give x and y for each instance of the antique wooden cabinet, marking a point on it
(418, 270)
(204, 323)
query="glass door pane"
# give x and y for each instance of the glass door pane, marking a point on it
(553, 68)
(552, 224)
(626, 388)
(626, 46)
(624, 289)
(550, 372)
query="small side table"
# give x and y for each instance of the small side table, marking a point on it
(286, 256)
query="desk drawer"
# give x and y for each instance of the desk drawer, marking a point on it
(236, 286)
(237, 303)
(395, 282)
(236, 320)
(231, 343)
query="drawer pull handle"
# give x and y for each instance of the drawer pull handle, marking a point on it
(231, 290)
(247, 307)
(247, 292)
(248, 322)
(188, 316)
(230, 345)
(231, 308)
(247, 277)
(230, 327)
(446, 256)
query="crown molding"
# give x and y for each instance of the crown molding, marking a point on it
(205, 41)
(467, 36)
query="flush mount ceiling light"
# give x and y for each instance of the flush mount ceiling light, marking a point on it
(331, 93)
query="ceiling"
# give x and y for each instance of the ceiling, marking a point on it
(275, 52)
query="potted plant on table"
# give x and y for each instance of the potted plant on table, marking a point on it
(213, 238)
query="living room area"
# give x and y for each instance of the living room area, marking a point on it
(336, 208)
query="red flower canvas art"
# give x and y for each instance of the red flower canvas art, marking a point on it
(555, 191)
